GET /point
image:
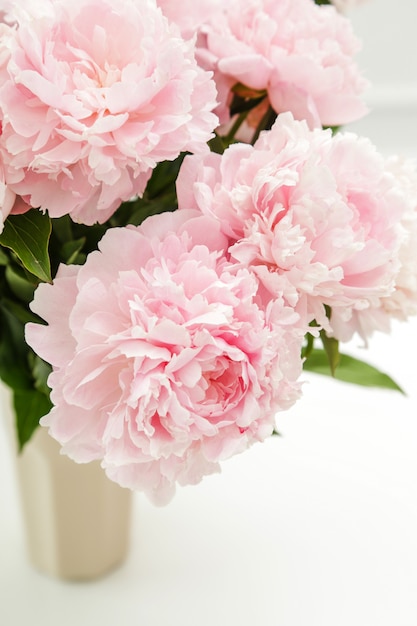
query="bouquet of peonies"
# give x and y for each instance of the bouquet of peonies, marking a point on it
(184, 229)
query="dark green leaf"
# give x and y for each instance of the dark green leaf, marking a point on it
(62, 228)
(70, 242)
(19, 284)
(216, 145)
(29, 405)
(19, 311)
(11, 372)
(309, 345)
(40, 372)
(350, 370)
(28, 236)
(71, 251)
(4, 259)
(24, 372)
(163, 177)
(14, 368)
(139, 210)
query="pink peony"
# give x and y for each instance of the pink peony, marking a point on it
(319, 219)
(300, 53)
(190, 15)
(163, 364)
(94, 93)
(7, 200)
(401, 303)
(12, 12)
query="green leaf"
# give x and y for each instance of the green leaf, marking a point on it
(29, 405)
(331, 348)
(309, 345)
(11, 372)
(14, 368)
(142, 208)
(19, 284)
(350, 370)
(62, 228)
(164, 177)
(40, 372)
(24, 372)
(20, 312)
(334, 129)
(71, 242)
(71, 251)
(28, 236)
(4, 260)
(216, 145)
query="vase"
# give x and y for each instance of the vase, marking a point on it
(77, 521)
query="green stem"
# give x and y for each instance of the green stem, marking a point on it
(232, 132)
(265, 123)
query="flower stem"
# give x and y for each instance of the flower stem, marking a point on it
(237, 124)
(265, 123)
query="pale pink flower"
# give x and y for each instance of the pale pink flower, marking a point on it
(401, 303)
(300, 53)
(12, 11)
(163, 364)
(94, 93)
(191, 15)
(19, 206)
(7, 200)
(317, 218)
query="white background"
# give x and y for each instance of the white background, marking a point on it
(316, 528)
(387, 29)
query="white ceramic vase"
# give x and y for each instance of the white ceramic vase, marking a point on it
(77, 521)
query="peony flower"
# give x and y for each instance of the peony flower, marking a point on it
(7, 200)
(319, 218)
(94, 93)
(163, 364)
(401, 303)
(299, 53)
(12, 13)
(190, 15)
